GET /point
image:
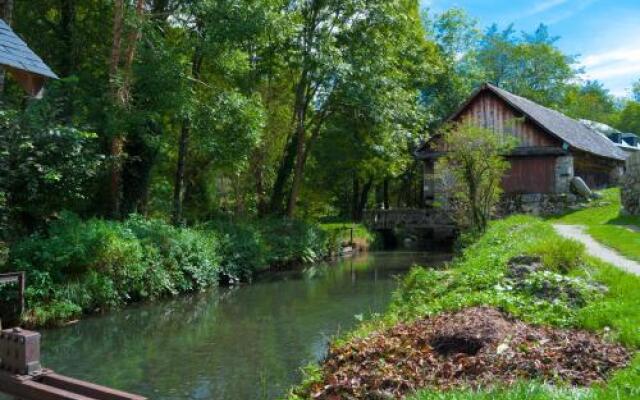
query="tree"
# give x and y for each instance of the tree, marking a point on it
(635, 91)
(629, 119)
(531, 66)
(590, 101)
(472, 171)
(458, 37)
(44, 168)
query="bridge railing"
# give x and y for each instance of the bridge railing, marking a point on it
(407, 218)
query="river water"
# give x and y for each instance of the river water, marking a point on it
(241, 344)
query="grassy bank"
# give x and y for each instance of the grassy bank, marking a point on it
(605, 222)
(80, 267)
(479, 277)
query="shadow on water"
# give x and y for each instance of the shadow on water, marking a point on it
(244, 343)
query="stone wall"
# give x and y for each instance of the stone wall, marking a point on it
(563, 174)
(631, 186)
(537, 203)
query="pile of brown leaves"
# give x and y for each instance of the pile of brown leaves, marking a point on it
(475, 347)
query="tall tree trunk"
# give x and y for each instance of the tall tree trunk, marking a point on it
(363, 198)
(68, 53)
(117, 142)
(6, 13)
(298, 169)
(121, 92)
(179, 187)
(284, 173)
(355, 200)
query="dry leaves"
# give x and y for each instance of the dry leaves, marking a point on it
(475, 347)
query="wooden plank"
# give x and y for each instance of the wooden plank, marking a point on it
(27, 389)
(87, 389)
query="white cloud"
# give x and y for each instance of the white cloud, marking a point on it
(545, 5)
(616, 67)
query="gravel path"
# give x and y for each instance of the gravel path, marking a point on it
(596, 249)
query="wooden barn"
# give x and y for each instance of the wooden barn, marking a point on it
(552, 148)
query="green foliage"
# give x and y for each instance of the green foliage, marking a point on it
(80, 266)
(559, 254)
(590, 101)
(44, 167)
(471, 172)
(629, 119)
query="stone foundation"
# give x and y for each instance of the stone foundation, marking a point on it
(537, 203)
(631, 186)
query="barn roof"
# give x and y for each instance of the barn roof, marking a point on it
(18, 57)
(570, 131)
(573, 132)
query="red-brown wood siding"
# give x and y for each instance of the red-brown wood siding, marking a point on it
(530, 175)
(489, 111)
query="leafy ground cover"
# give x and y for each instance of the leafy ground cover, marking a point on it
(606, 224)
(560, 287)
(86, 266)
(474, 347)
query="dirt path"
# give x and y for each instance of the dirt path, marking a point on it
(596, 249)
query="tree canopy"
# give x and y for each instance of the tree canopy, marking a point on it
(186, 109)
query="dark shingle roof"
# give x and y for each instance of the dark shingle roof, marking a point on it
(15, 53)
(569, 130)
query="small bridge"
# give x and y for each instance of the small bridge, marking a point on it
(409, 218)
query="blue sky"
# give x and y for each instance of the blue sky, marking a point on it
(604, 33)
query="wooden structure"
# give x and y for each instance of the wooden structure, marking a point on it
(22, 376)
(551, 148)
(21, 62)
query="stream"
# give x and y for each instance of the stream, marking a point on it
(244, 343)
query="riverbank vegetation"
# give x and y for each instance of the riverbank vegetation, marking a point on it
(81, 266)
(605, 222)
(521, 267)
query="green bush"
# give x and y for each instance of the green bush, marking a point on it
(83, 266)
(247, 247)
(242, 248)
(79, 267)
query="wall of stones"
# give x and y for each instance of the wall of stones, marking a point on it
(537, 204)
(631, 186)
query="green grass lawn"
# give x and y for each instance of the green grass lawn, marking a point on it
(477, 277)
(605, 223)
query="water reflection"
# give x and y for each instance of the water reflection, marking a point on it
(245, 343)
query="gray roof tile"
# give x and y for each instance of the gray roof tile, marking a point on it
(567, 129)
(15, 53)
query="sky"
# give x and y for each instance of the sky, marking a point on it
(605, 34)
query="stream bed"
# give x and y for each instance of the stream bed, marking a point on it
(242, 344)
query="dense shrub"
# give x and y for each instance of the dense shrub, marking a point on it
(247, 247)
(81, 266)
